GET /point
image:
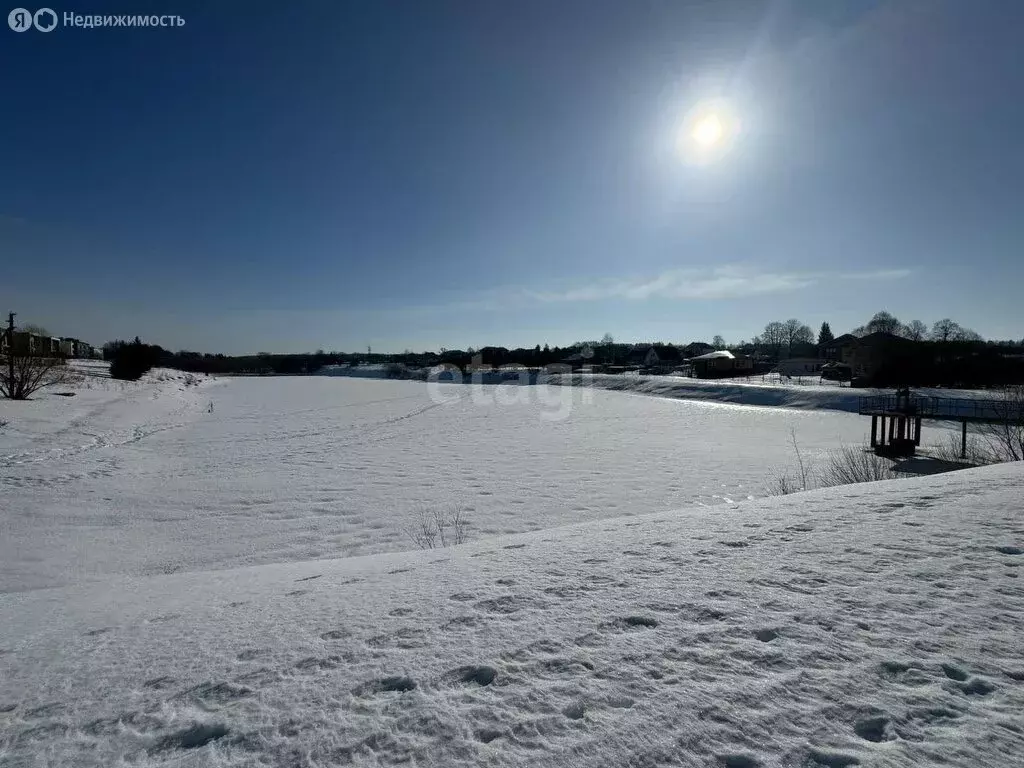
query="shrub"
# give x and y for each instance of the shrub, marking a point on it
(440, 528)
(30, 373)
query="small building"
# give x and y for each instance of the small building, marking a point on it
(67, 347)
(721, 364)
(643, 357)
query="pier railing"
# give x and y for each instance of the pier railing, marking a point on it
(954, 408)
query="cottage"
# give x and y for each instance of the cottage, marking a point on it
(721, 364)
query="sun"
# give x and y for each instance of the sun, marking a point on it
(708, 132)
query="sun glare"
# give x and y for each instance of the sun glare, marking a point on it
(708, 133)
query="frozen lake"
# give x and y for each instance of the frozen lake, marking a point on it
(289, 469)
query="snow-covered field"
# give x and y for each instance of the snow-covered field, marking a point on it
(236, 587)
(146, 480)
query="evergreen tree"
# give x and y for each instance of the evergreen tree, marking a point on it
(825, 334)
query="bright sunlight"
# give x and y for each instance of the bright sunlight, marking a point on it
(708, 133)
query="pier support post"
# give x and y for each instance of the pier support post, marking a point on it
(963, 439)
(917, 431)
(874, 426)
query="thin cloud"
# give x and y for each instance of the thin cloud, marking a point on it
(720, 283)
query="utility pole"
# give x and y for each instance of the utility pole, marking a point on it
(10, 353)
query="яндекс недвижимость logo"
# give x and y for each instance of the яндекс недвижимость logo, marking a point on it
(22, 20)
(46, 20)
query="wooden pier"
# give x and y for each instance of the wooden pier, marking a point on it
(900, 415)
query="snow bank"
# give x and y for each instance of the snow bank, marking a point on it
(872, 625)
(744, 392)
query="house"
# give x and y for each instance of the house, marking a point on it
(76, 348)
(643, 357)
(868, 355)
(800, 366)
(27, 343)
(721, 364)
(696, 349)
(52, 345)
(837, 348)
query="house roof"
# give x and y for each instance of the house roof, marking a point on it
(717, 355)
(842, 341)
(880, 337)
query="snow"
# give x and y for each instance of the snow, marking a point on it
(722, 354)
(871, 625)
(146, 481)
(768, 390)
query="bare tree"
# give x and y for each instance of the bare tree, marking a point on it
(718, 342)
(945, 330)
(1005, 437)
(774, 336)
(22, 375)
(797, 333)
(38, 330)
(915, 330)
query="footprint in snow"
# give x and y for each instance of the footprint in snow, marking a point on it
(819, 759)
(876, 729)
(954, 672)
(478, 675)
(397, 684)
(739, 761)
(766, 635)
(1010, 550)
(190, 738)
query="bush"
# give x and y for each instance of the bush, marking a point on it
(440, 528)
(848, 465)
(30, 374)
(129, 362)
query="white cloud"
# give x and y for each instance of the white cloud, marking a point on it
(718, 283)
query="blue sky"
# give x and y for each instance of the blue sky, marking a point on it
(422, 174)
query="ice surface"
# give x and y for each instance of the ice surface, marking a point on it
(146, 480)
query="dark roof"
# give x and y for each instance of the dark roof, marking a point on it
(880, 337)
(843, 341)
